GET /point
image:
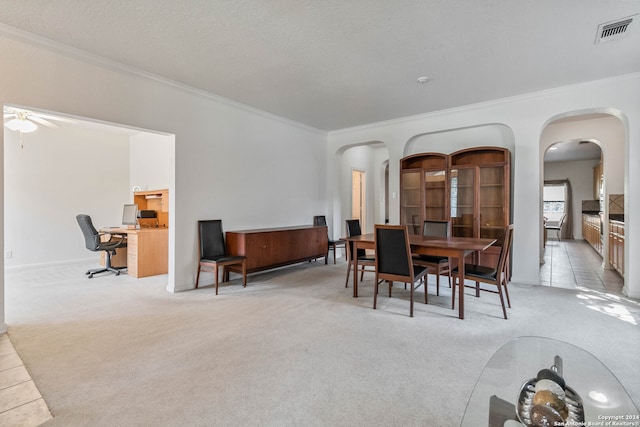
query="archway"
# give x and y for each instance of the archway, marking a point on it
(594, 181)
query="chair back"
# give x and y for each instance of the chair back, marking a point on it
(320, 220)
(393, 253)
(211, 238)
(353, 229)
(562, 219)
(91, 235)
(504, 252)
(435, 228)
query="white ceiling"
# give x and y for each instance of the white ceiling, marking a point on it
(332, 64)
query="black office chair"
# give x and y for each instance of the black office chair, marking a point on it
(321, 220)
(364, 260)
(437, 265)
(394, 261)
(93, 242)
(213, 252)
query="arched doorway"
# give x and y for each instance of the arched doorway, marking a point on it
(581, 152)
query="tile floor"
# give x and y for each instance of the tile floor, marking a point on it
(20, 401)
(574, 263)
(568, 264)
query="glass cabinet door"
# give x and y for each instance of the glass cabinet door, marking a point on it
(435, 190)
(462, 202)
(491, 202)
(411, 200)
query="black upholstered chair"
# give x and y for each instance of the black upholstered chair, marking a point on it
(394, 262)
(321, 220)
(213, 252)
(364, 260)
(497, 276)
(93, 242)
(437, 265)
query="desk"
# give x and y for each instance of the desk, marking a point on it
(495, 395)
(147, 251)
(452, 247)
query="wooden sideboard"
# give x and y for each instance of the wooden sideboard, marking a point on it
(274, 247)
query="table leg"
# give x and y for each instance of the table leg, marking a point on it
(355, 269)
(461, 285)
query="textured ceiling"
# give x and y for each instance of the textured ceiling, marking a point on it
(332, 64)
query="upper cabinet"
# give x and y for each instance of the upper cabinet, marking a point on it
(598, 180)
(470, 188)
(154, 200)
(424, 191)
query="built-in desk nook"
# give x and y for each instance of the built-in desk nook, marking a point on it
(147, 251)
(274, 247)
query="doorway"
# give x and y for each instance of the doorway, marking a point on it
(358, 196)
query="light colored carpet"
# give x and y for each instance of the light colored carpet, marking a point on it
(293, 348)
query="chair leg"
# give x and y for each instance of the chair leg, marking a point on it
(375, 293)
(198, 275)
(391, 286)
(411, 302)
(215, 275)
(477, 289)
(506, 291)
(425, 278)
(346, 282)
(504, 309)
(453, 292)
(438, 282)
(326, 256)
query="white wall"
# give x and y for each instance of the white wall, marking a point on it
(247, 167)
(58, 174)
(151, 161)
(580, 175)
(526, 118)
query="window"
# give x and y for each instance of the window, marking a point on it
(554, 197)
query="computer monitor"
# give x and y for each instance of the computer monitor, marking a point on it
(130, 215)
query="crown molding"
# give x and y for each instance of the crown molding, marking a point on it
(69, 51)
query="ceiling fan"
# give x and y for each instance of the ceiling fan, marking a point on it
(25, 121)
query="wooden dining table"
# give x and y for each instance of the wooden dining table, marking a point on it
(451, 247)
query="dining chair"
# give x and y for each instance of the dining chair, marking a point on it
(556, 226)
(497, 276)
(213, 253)
(437, 265)
(364, 260)
(393, 261)
(321, 220)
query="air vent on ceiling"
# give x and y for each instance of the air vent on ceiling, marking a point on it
(615, 30)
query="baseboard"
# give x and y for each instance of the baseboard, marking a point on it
(80, 261)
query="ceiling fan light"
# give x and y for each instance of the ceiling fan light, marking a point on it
(24, 126)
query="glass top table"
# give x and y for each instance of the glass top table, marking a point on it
(496, 394)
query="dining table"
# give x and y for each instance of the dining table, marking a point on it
(451, 247)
